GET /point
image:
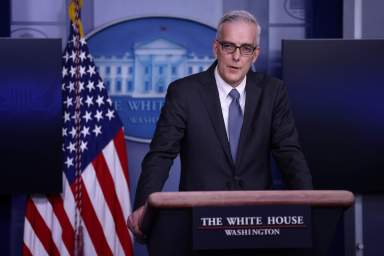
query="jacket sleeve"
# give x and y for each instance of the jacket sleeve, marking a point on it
(286, 149)
(164, 147)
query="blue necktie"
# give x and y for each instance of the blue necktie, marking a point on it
(235, 122)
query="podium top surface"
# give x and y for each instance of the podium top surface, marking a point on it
(320, 198)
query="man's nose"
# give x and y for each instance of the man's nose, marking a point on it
(236, 54)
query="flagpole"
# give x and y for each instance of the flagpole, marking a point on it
(78, 245)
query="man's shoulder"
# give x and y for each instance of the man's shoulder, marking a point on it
(264, 80)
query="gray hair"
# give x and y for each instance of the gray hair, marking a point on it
(239, 15)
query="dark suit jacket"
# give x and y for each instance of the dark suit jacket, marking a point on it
(191, 123)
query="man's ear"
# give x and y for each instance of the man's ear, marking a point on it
(256, 54)
(215, 48)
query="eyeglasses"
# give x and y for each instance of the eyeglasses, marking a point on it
(229, 48)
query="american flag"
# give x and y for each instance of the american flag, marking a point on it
(95, 202)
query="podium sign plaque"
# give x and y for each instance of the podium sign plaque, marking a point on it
(252, 227)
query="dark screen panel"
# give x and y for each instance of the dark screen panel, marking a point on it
(31, 115)
(336, 89)
(5, 18)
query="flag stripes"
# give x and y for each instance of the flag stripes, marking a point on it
(68, 233)
(40, 226)
(112, 201)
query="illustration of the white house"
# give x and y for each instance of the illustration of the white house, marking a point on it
(148, 72)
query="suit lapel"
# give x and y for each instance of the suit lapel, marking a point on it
(210, 97)
(253, 94)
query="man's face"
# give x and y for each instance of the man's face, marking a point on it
(233, 67)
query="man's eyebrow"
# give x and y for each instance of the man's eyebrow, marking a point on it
(244, 44)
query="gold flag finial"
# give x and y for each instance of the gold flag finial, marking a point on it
(74, 18)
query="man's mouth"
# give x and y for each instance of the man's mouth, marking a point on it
(233, 68)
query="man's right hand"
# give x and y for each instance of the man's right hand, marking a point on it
(134, 223)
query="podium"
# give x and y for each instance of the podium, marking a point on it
(172, 229)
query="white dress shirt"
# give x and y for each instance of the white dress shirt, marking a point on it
(225, 100)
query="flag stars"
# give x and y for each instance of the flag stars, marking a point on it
(71, 86)
(73, 132)
(82, 41)
(71, 147)
(72, 71)
(110, 114)
(69, 162)
(85, 131)
(83, 146)
(87, 116)
(100, 100)
(99, 115)
(64, 71)
(89, 101)
(82, 56)
(66, 57)
(81, 86)
(100, 85)
(97, 130)
(66, 117)
(82, 71)
(91, 86)
(91, 70)
(85, 108)
(74, 37)
(73, 56)
(68, 102)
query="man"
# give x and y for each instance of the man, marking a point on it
(225, 123)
